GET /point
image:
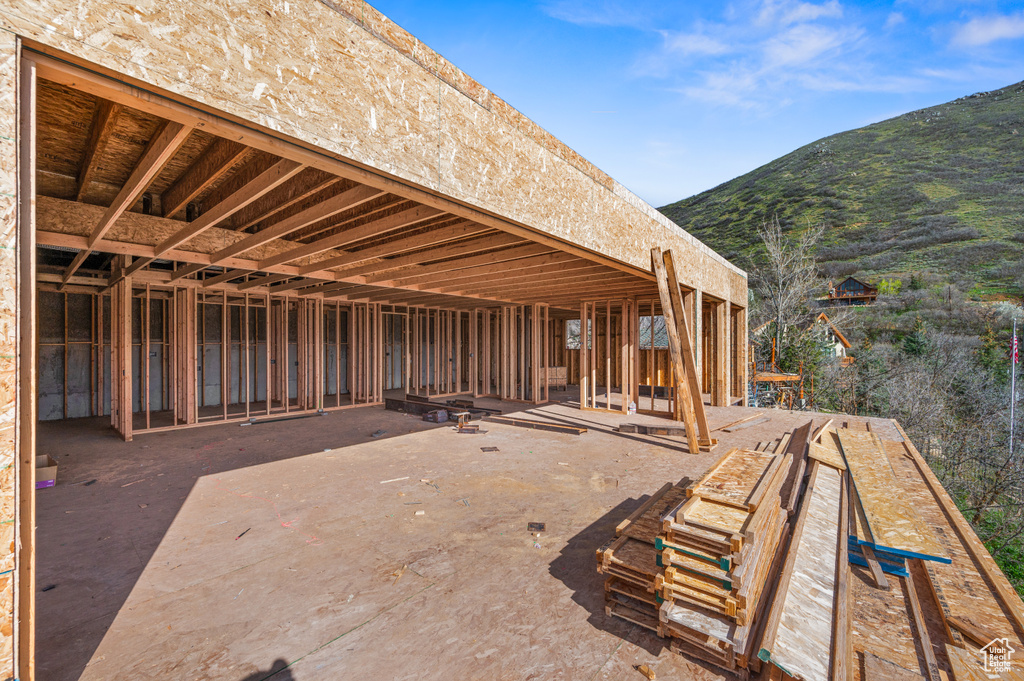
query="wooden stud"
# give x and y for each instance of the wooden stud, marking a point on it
(163, 145)
(26, 361)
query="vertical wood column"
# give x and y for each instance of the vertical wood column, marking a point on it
(121, 351)
(186, 302)
(584, 372)
(18, 369)
(698, 335)
(741, 354)
(721, 342)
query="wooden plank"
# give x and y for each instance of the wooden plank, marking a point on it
(878, 669)
(894, 524)
(739, 480)
(874, 566)
(643, 508)
(798, 638)
(537, 425)
(689, 381)
(969, 665)
(842, 640)
(675, 348)
(739, 421)
(826, 455)
(163, 145)
(216, 159)
(746, 424)
(977, 573)
(972, 631)
(23, 414)
(921, 627)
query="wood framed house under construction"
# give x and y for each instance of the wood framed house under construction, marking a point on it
(224, 222)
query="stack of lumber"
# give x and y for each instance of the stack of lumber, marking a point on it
(885, 529)
(835, 556)
(718, 547)
(692, 563)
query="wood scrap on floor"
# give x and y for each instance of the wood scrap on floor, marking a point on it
(739, 421)
(746, 424)
(537, 425)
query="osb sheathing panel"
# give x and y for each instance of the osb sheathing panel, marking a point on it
(8, 351)
(345, 78)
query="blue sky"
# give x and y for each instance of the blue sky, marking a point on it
(672, 98)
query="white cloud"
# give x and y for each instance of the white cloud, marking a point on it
(786, 13)
(894, 19)
(802, 44)
(601, 12)
(693, 44)
(985, 30)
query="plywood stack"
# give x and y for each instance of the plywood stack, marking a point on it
(631, 560)
(718, 548)
(693, 562)
(885, 529)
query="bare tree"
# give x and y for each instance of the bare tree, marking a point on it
(788, 278)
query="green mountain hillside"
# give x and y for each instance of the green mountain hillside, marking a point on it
(939, 190)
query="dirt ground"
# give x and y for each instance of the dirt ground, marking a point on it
(293, 550)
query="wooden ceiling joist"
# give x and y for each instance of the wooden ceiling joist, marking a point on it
(503, 267)
(273, 176)
(102, 125)
(387, 270)
(360, 258)
(226, 277)
(214, 162)
(161, 148)
(386, 224)
(337, 204)
(286, 199)
(579, 272)
(262, 281)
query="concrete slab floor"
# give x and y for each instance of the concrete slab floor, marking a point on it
(251, 553)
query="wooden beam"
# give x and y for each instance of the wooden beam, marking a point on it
(367, 257)
(163, 145)
(410, 265)
(556, 258)
(263, 281)
(515, 277)
(336, 204)
(103, 122)
(288, 199)
(370, 229)
(214, 162)
(25, 406)
(689, 381)
(227, 276)
(280, 172)
(669, 304)
(275, 175)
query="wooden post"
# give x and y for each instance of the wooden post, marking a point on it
(584, 375)
(26, 360)
(698, 337)
(721, 356)
(669, 305)
(688, 381)
(608, 354)
(146, 325)
(225, 355)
